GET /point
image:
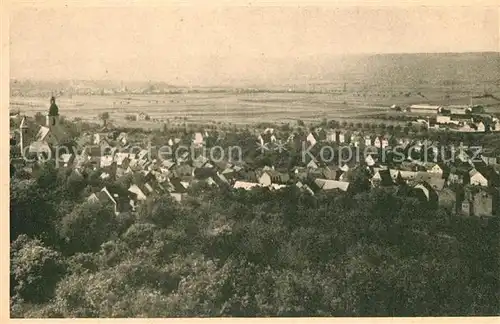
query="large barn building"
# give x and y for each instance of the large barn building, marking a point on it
(424, 108)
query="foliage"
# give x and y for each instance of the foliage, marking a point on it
(87, 227)
(367, 252)
(35, 269)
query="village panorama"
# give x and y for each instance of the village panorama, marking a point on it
(373, 190)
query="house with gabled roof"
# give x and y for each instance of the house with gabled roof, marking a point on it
(229, 173)
(312, 165)
(407, 175)
(269, 177)
(480, 202)
(345, 168)
(198, 139)
(176, 189)
(138, 193)
(304, 187)
(477, 179)
(384, 141)
(382, 178)
(119, 202)
(311, 139)
(93, 198)
(462, 156)
(490, 159)
(325, 184)
(370, 160)
(66, 160)
(425, 193)
(435, 168)
(489, 172)
(246, 185)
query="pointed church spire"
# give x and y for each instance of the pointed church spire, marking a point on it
(53, 110)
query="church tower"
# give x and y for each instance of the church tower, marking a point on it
(52, 119)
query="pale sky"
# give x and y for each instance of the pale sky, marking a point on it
(209, 45)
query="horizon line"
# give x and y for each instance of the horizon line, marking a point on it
(183, 85)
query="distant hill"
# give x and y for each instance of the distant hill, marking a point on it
(396, 70)
(50, 85)
(448, 72)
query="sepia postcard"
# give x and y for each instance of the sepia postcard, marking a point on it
(252, 160)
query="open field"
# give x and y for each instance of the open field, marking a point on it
(234, 108)
(352, 88)
(230, 107)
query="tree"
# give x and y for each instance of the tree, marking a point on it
(161, 211)
(87, 227)
(35, 269)
(359, 179)
(30, 212)
(285, 127)
(75, 184)
(333, 124)
(39, 118)
(104, 117)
